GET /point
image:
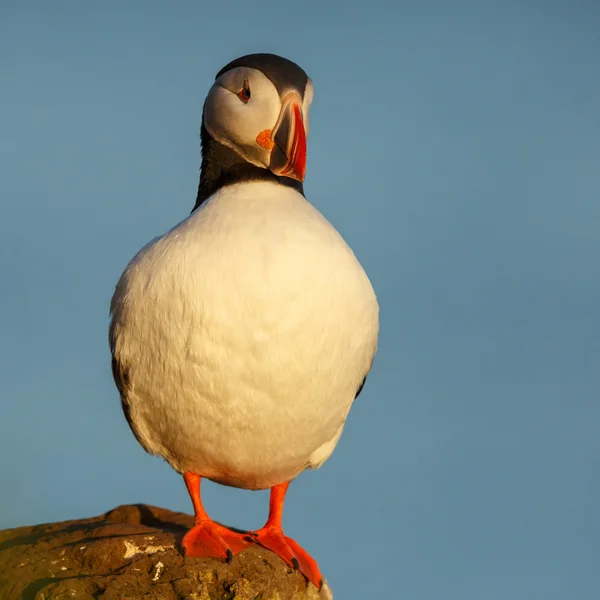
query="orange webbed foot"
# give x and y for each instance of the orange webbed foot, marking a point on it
(293, 554)
(211, 539)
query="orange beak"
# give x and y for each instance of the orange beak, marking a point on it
(288, 156)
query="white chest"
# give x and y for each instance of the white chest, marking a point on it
(245, 331)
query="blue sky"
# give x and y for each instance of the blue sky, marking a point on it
(456, 146)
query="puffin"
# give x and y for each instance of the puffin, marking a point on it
(241, 337)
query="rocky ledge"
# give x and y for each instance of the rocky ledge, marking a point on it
(133, 552)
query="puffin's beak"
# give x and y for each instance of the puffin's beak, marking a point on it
(288, 156)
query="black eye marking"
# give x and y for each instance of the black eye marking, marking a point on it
(244, 93)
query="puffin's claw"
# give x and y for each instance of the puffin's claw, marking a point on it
(293, 554)
(211, 539)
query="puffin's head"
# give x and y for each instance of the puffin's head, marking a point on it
(258, 107)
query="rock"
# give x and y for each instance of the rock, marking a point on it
(133, 552)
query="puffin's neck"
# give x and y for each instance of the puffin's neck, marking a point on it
(222, 166)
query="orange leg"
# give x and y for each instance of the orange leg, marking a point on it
(271, 537)
(207, 538)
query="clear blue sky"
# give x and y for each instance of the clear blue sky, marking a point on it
(456, 146)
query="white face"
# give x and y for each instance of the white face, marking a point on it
(242, 108)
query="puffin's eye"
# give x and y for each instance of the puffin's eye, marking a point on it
(244, 93)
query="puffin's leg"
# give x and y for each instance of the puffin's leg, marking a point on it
(271, 537)
(207, 538)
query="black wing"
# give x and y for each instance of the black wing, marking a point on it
(360, 387)
(122, 381)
